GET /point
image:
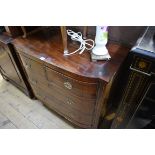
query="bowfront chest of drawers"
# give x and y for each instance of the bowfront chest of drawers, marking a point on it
(69, 96)
(72, 86)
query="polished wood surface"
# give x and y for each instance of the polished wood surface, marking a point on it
(10, 66)
(14, 31)
(73, 86)
(71, 98)
(28, 30)
(7, 66)
(48, 44)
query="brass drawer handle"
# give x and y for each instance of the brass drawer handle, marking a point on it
(69, 102)
(68, 85)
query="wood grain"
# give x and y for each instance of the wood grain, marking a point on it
(42, 55)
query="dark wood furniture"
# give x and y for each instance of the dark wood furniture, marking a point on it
(13, 31)
(137, 102)
(73, 86)
(28, 30)
(10, 66)
(24, 31)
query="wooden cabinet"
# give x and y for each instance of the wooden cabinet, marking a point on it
(10, 66)
(137, 102)
(72, 98)
(7, 65)
(73, 86)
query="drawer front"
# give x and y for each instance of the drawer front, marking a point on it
(80, 104)
(33, 67)
(39, 93)
(8, 66)
(78, 88)
(62, 105)
(75, 100)
(36, 79)
(74, 116)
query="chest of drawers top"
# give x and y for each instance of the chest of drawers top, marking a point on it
(46, 46)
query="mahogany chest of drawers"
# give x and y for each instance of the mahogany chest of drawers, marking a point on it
(73, 86)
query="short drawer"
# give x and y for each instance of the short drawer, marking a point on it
(39, 86)
(78, 88)
(32, 66)
(36, 79)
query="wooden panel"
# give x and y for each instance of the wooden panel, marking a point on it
(81, 89)
(48, 43)
(83, 105)
(74, 116)
(33, 67)
(7, 66)
(71, 85)
(11, 66)
(14, 31)
(79, 110)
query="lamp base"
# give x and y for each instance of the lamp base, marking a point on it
(95, 57)
(100, 50)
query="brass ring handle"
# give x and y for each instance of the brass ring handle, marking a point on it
(69, 101)
(68, 85)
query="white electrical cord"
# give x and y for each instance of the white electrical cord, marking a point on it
(78, 37)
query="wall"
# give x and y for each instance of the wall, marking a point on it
(124, 34)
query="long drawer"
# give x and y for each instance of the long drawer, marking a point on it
(80, 104)
(78, 88)
(74, 99)
(70, 85)
(63, 105)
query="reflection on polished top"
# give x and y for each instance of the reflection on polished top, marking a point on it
(46, 45)
(148, 40)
